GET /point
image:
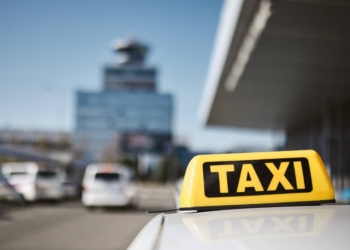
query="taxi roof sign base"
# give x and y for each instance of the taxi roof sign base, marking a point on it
(286, 204)
(283, 178)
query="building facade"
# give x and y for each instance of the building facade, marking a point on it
(128, 116)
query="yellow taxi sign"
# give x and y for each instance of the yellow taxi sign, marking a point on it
(255, 179)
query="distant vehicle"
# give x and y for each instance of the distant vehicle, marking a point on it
(344, 195)
(71, 189)
(34, 181)
(108, 185)
(7, 192)
(177, 191)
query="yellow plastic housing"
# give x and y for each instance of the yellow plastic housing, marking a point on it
(255, 179)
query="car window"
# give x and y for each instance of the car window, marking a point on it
(107, 176)
(46, 174)
(13, 174)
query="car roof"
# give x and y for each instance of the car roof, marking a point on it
(19, 167)
(302, 227)
(95, 168)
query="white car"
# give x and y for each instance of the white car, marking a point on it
(7, 192)
(304, 228)
(108, 185)
(177, 192)
(34, 181)
(255, 201)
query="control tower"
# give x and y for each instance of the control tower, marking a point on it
(130, 73)
(130, 52)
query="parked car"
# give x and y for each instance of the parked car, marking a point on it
(108, 185)
(177, 191)
(7, 191)
(33, 180)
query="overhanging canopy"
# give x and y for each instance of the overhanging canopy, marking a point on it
(300, 63)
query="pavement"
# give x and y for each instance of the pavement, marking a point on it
(68, 225)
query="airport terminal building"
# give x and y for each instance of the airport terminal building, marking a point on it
(128, 116)
(284, 65)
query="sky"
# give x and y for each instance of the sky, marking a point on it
(51, 49)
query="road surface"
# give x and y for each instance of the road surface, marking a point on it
(69, 226)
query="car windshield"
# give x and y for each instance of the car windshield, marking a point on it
(107, 176)
(46, 174)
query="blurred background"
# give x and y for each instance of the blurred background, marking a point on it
(104, 103)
